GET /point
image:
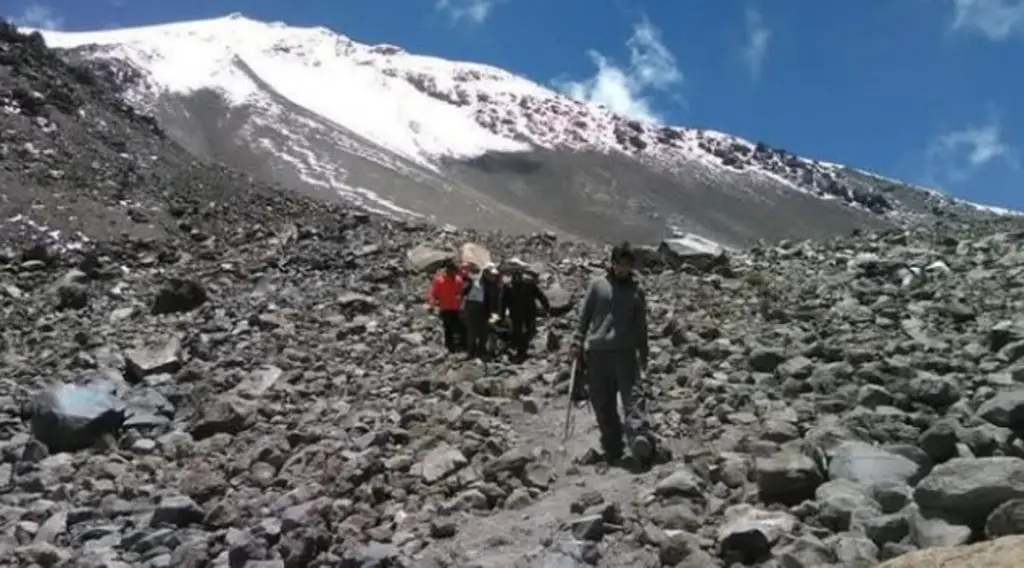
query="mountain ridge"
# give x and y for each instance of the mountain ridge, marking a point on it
(417, 136)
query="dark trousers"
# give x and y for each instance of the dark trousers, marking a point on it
(611, 375)
(523, 330)
(454, 330)
(475, 317)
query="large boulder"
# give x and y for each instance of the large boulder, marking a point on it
(423, 258)
(1005, 409)
(748, 534)
(787, 477)
(559, 300)
(179, 296)
(971, 488)
(1006, 552)
(72, 417)
(869, 465)
(693, 250)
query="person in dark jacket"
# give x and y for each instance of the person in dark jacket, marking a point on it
(520, 302)
(494, 290)
(612, 340)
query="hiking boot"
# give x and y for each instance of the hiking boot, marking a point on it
(642, 450)
(609, 462)
(631, 464)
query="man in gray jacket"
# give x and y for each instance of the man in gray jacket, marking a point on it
(612, 341)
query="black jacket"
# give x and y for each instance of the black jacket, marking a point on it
(521, 297)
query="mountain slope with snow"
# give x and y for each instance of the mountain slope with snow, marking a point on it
(466, 143)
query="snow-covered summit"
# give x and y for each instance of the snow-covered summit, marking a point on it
(376, 91)
(419, 106)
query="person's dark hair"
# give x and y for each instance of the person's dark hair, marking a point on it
(623, 252)
(450, 266)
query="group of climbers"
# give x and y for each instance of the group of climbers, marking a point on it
(610, 342)
(473, 302)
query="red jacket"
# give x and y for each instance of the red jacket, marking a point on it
(446, 292)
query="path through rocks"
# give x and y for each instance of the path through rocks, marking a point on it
(528, 534)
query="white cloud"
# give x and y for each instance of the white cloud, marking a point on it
(39, 17)
(995, 19)
(959, 154)
(627, 90)
(756, 47)
(472, 11)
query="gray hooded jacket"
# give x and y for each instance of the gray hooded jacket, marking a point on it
(613, 316)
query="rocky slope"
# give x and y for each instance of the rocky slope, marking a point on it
(269, 392)
(469, 144)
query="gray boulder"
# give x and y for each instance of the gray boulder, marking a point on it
(693, 250)
(559, 300)
(1006, 409)
(71, 417)
(426, 259)
(748, 534)
(1007, 519)
(787, 477)
(870, 465)
(971, 488)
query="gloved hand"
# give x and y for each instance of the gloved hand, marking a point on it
(575, 352)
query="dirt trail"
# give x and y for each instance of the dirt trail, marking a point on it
(520, 538)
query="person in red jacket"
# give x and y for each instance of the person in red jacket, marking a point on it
(446, 296)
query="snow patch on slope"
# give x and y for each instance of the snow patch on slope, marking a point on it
(26, 226)
(324, 72)
(329, 176)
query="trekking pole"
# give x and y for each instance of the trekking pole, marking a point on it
(570, 402)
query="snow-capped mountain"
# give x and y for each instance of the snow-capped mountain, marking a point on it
(468, 144)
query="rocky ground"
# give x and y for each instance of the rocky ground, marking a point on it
(286, 403)
(250, 379)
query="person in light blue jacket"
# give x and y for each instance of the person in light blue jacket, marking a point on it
(482, 299)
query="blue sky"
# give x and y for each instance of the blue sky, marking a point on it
(928, 91)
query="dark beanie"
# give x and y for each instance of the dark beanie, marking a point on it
(623, 252)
